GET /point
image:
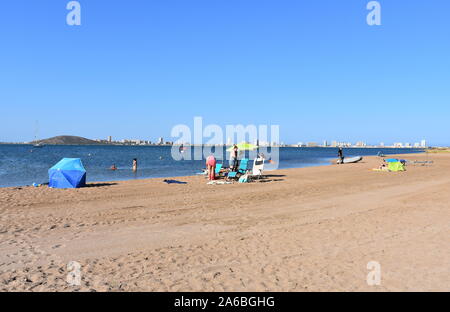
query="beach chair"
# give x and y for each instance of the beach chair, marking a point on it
(258, 168)
(218, 168)
(241, 170)
(243, 166)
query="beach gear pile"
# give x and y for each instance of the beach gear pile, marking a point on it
(242, 174)
(67, 173)
(396, 164)
(393, 165)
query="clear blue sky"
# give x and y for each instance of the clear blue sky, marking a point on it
(135, 68)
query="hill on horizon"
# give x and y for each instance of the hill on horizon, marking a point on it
(67, 140)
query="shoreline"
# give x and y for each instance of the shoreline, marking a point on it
(160, 177)
(328, 163)
(226, 145)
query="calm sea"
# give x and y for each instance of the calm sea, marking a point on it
(24, 165)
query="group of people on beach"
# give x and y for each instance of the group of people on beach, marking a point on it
(211, 163)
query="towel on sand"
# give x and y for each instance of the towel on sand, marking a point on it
(174, 182)
(219, 182)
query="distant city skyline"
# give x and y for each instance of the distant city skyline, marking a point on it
(160, 141)
(315, 68)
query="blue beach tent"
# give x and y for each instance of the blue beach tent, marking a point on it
(389, 160)
(67, 173)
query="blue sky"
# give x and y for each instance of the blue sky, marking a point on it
(136, 68)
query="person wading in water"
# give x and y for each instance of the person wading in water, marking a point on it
(135, 165)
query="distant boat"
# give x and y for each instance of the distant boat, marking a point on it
(36, 132)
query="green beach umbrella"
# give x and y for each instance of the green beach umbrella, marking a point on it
(244, 147)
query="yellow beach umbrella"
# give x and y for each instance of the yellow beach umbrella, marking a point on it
(244, 147)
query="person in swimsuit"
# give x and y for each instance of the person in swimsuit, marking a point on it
(211, 167)
(135, 165)
(113, 167)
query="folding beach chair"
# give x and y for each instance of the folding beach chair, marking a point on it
(241, 170)
(258, 168)
(218, 168)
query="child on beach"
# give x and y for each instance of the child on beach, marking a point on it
(135, 165)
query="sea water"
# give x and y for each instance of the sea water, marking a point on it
(24, 165)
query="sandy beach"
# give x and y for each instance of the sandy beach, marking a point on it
(310, 229)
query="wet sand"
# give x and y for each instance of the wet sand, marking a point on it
(310, 229)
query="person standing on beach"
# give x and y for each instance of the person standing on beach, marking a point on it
(341, 155)
(233, 157)
(135, 165)
(211, 167)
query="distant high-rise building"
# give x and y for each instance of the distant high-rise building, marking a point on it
(110, 139)
(160, 141)
(423, 143)
(325, 143)
(361, 144)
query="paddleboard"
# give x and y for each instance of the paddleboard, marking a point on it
(350, 160)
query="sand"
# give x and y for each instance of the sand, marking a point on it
(310, 229)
